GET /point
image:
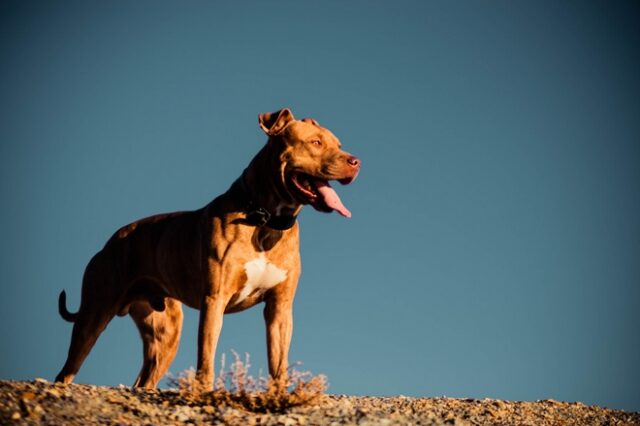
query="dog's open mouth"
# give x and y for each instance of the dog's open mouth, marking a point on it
(319, 193)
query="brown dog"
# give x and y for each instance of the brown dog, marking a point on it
(237, 251)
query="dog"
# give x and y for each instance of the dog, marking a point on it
(239, 250)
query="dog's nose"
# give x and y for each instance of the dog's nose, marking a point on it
(353, 161)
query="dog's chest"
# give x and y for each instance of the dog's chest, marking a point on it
(262, 275)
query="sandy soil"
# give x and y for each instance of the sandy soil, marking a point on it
(41, 402)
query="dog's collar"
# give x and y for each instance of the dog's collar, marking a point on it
(259, 216)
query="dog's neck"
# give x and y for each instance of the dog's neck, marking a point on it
(267, 202)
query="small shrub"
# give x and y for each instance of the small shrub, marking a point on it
(236, 387)
(185, 381)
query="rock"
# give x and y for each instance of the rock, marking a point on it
(53, 393)
(182, 417)
(28, 396)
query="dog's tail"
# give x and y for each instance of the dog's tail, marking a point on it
(62, 308)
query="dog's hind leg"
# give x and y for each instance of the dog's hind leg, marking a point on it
(98, 305)
(160, 332)
(86, 330)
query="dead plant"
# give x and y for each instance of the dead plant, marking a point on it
(236, 387)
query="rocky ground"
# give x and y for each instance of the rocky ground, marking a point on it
(41, 402)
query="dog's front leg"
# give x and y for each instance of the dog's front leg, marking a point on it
(278, 316)
(211, 315)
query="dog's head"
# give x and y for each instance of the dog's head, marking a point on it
(310, 156)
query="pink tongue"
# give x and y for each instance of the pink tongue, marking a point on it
(331, 198)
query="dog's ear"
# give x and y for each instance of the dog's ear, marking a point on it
(274, 122)
(312, 121)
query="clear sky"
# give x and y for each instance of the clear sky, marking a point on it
(494, 249)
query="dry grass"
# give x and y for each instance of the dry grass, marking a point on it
(236, 387)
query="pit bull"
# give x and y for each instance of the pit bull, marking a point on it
(239, 250)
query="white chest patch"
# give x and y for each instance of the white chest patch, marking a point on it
(261, 276)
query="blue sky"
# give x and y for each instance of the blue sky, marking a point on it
(495, 241)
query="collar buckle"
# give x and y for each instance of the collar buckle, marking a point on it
(259, 216)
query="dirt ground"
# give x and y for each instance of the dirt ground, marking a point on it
(43, 403)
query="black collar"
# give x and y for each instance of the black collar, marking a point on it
(259, 216)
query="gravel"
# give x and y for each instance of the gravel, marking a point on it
(40, 402)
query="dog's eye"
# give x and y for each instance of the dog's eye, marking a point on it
(316, 142)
